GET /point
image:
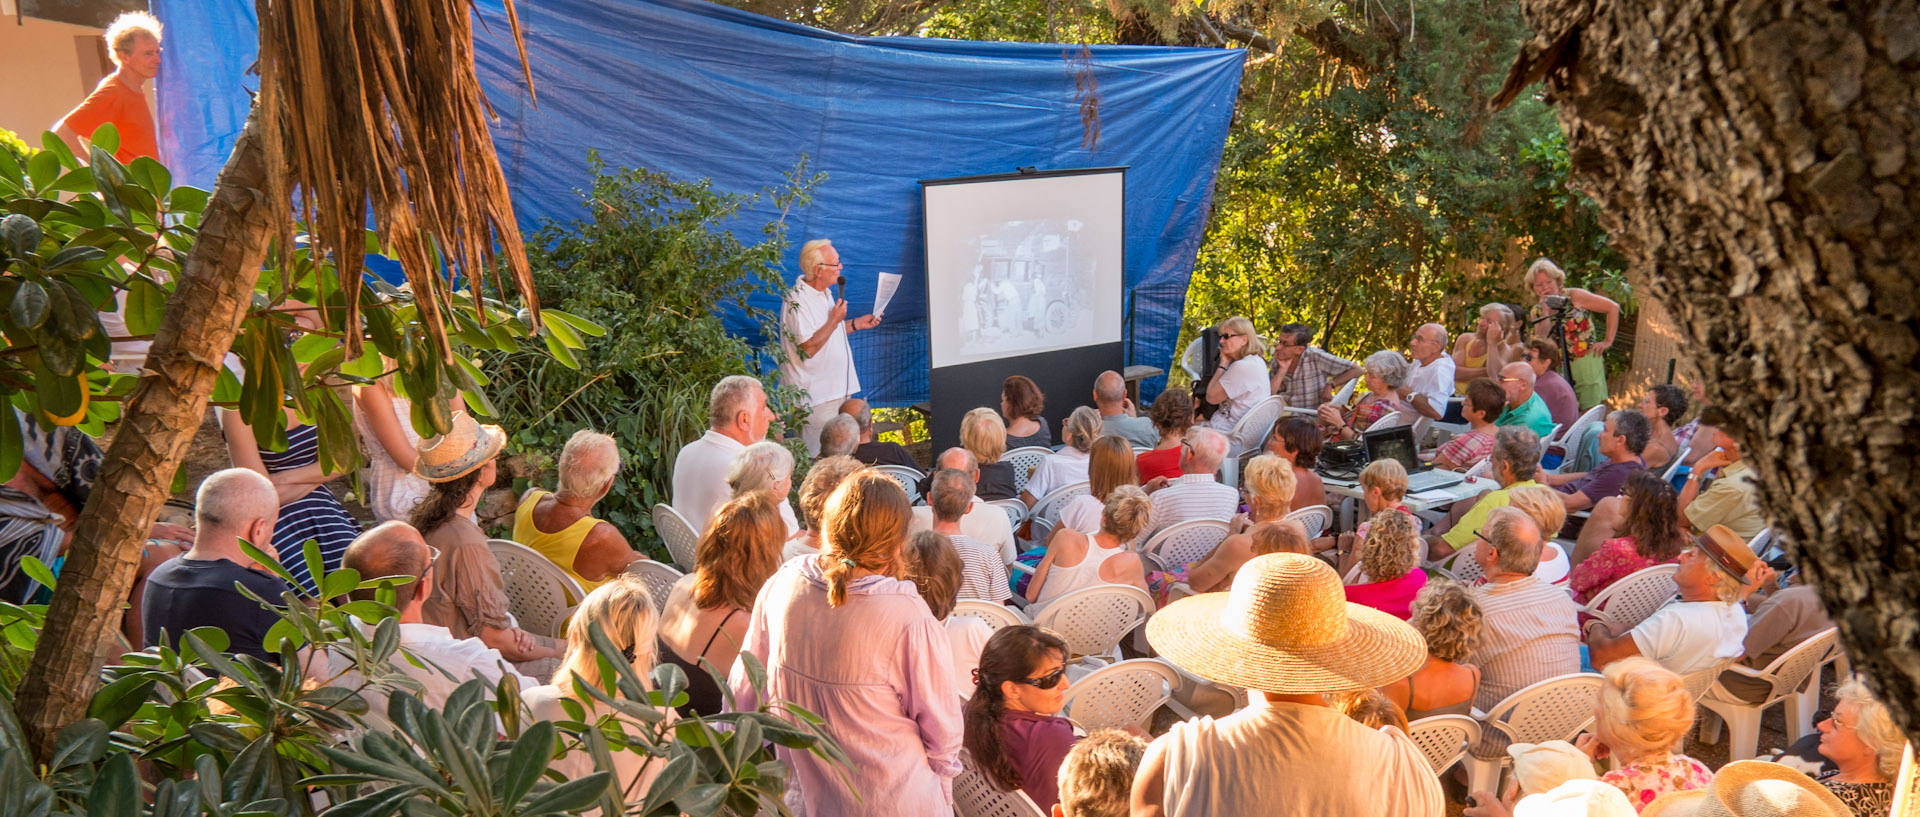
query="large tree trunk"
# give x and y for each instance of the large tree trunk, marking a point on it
(166, 409)
(1759, 163)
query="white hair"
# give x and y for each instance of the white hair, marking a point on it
(729, 396)
(588, 464)
(232, 498)
(841, 436)
(759, 466)
(1389, 366)
(810, 253)
(1209, 447)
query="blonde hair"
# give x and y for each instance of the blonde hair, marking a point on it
(1447, 616)
(1279, 537)
(822, 478)
(1270, 480)
(1241, 326)
(1644, 707)
(1543, 266)
(738, 552)
(1392, 548)
(1389, 476)
(1500, 314)
(984, 435)
(1110, 465)
(1127, 513)
(757, 467)
(866, 527)
(624, 610)
(1876, 728)
(1544, 505)
(1081, 428)
(1096, 777)
(126, 31)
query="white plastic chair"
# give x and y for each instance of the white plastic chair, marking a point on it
(1553, 436)
(1673, 467)
(677, 533)
(1345, 394)
(909, 479)
(659, 577)
(1461, 567)
(1480, 469)
(1444, 739)
(1016, 510)
(995, 614)
(1185, 543)
(540, 595)
(1190, 359)
(1120, 695)
(1024, 460)
(1048, 507)
(1315, 518)
(1388, 420)
(1699, 681)
(1092, 620)
(1597, 414)
(1248, 434)
(1787, 674)
(975, 796)
(1555, 709)
(1634, 597)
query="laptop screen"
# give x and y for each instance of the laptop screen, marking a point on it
(1393, 443)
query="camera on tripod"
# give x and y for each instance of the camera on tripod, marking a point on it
(1558, 303)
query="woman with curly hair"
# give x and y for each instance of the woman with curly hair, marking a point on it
(1861, 739)
(1390, 574)
(1172, 415)
(1649, 535)
(1014, 736)
(1447, 616)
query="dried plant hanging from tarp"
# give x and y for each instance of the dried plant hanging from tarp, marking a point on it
(374, 103)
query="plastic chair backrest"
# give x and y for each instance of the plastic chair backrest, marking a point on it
(1791, 669)
(1674, 466)
(1190, 359)
(1252, 428)
(909, 479)
(1597, 414)
(1553, 436)
(1554, 709)
(1444, 738)
(539, 594)
(678, 534)
(1185, 543)
(1120, 695)
(1388, 420)
(975, 796)
(1015, 509)
(1023, 461)
(659, 577)
(1760, 541)
(995, 614)
(1048, 507)
(1699, 681)
(1634, 597)
(1315, 518)
(1461, 565)
(1480, 469)
(1092, 620)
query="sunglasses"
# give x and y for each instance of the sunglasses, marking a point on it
(1047, 681)
(1228, 335)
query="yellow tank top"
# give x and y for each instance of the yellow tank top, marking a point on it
(1459, 386)
(560, 547)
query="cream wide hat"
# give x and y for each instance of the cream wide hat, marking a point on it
(1752, 788)
(457, 453)
(1543, 767)
(1576, 798)
(1286, 627)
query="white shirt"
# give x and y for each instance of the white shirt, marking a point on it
(1058, 470)
(1245, 383)
(1189, 497)
(700, 476)
(440, 655)
(1689, 636)
(1083, 514)
(968, 635)
(1435, 380)
(828, 375)
(983, 522)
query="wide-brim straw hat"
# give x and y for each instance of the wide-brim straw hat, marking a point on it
(457, 453)
(1286, 627)
(1725, 549)
(1752, 788)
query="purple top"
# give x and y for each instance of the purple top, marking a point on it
(1557, 393)
(1037, 745)
(1394, 597)
(879, 670)
(1603, 482)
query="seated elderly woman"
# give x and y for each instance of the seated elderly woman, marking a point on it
(1109, 466)
(1649, 535)
(1447, 616)
(766, 467)
(1863, 745)
(705, 614)
(1068, 465)
(1215, 573)
(1241, 380)
(1390, 574)
(984, 436)
(1268, 484)
(1297, 440)
(1172, 415)
(1641, 718)
(822, 478)
(561, 525)
(1075, 560)
(624, 610)
(1385, 375)
(1383, 487)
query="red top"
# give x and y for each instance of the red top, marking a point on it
(1163, 462)
(127, 109)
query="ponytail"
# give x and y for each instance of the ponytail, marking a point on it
(1011, 654)
(865, 527)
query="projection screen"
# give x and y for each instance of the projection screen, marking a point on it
(1024, 264)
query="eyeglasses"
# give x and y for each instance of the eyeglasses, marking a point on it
(1047, 681)
(828, 266)
(1509, 379)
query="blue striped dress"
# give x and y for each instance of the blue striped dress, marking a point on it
(318, 515)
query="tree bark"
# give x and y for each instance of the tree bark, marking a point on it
(165, 410)
(1758, 161)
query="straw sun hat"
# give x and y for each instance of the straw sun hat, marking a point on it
(1725, 549)
(1752, 788)
(1286, 627)
(458, 452)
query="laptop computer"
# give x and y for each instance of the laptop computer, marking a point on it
(1397, 443)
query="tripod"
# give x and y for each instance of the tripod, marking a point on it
(1559, 317)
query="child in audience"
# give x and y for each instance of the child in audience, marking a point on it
(1098, 774)
(934, 568)
(1370, 707)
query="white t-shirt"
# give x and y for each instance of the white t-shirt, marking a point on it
(1689, 636)
(828, 375)
(1083, 514)
(1246, 383)
(1435, 380)
(700, 477)
(968, 636)
(983, 522)
(1058, 470)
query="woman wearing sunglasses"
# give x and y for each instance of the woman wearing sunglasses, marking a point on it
(1014, 737)
(1241, 380)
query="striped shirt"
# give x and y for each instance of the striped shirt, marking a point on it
(1306, 384)
(982, 575)
(1189, 497)
(1528, 634)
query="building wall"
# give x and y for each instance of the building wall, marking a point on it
(50, 66)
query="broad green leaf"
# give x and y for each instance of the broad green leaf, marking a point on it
(146, 305)
(42, 169)
(577, 323)
(368, 365)
(560, 352)
(525, 763)
(569, 796)
(564, 333)
(311, 345)
(151, 176)
(106, 137)
(117, 701)
(116, 791)
(21, 235)
(82, 742)
(187, 200)
(52, 145)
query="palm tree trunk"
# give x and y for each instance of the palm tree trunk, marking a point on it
(164, 412)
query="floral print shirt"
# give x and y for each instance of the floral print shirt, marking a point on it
(1579, 328)
(1865, 799)
(1612, 562)
(1655, 775)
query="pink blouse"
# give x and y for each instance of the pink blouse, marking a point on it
(1394, 597)
(1615, 559)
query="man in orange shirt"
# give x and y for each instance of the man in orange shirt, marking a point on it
(120, 99)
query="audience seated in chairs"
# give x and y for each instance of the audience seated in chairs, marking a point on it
(934, 568)
(1264, 528)
(766, 467)
(1097, 776)
(1450, 620)
(1383, 487)
(1528, 631)
(1515, 463)
(1117, 414)
(198, 588)
(1779, 621)
(1544, 358)
(1385, 379)
(470, 596)
(1068, 465)
(840, 436)
(1706, 625)
(1663, 404)
(1109, 466)
(1172, 415)
(1020, 405)
(815, 627)
(1621, 443)
(1430, 373)
(1524, 406)
(870, 450)
(985, 437)
(737, 416)
(1241, 381)
(1285, 634)
(1303, 374)
(1297, 440)
(1733, 499)
(1649, 534)
(706, 613)
(561, 525)
(822, 478)
(1195, 494)
(1014, 734)
(1075, 560)
(1390, 565)
(983, 522)
(1483, 402)
(625, 613)
(1640, 722)
(983, 572)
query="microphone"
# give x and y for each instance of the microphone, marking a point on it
(841, 293)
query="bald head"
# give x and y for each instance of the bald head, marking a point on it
(1432, 332)
(1516, 379)
(392, 549)
(1206, 449)
(959, 459)
(231, 500)
(1110, 392)
(1515, 538)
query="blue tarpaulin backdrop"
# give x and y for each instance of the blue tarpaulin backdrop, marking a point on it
(698, 90)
